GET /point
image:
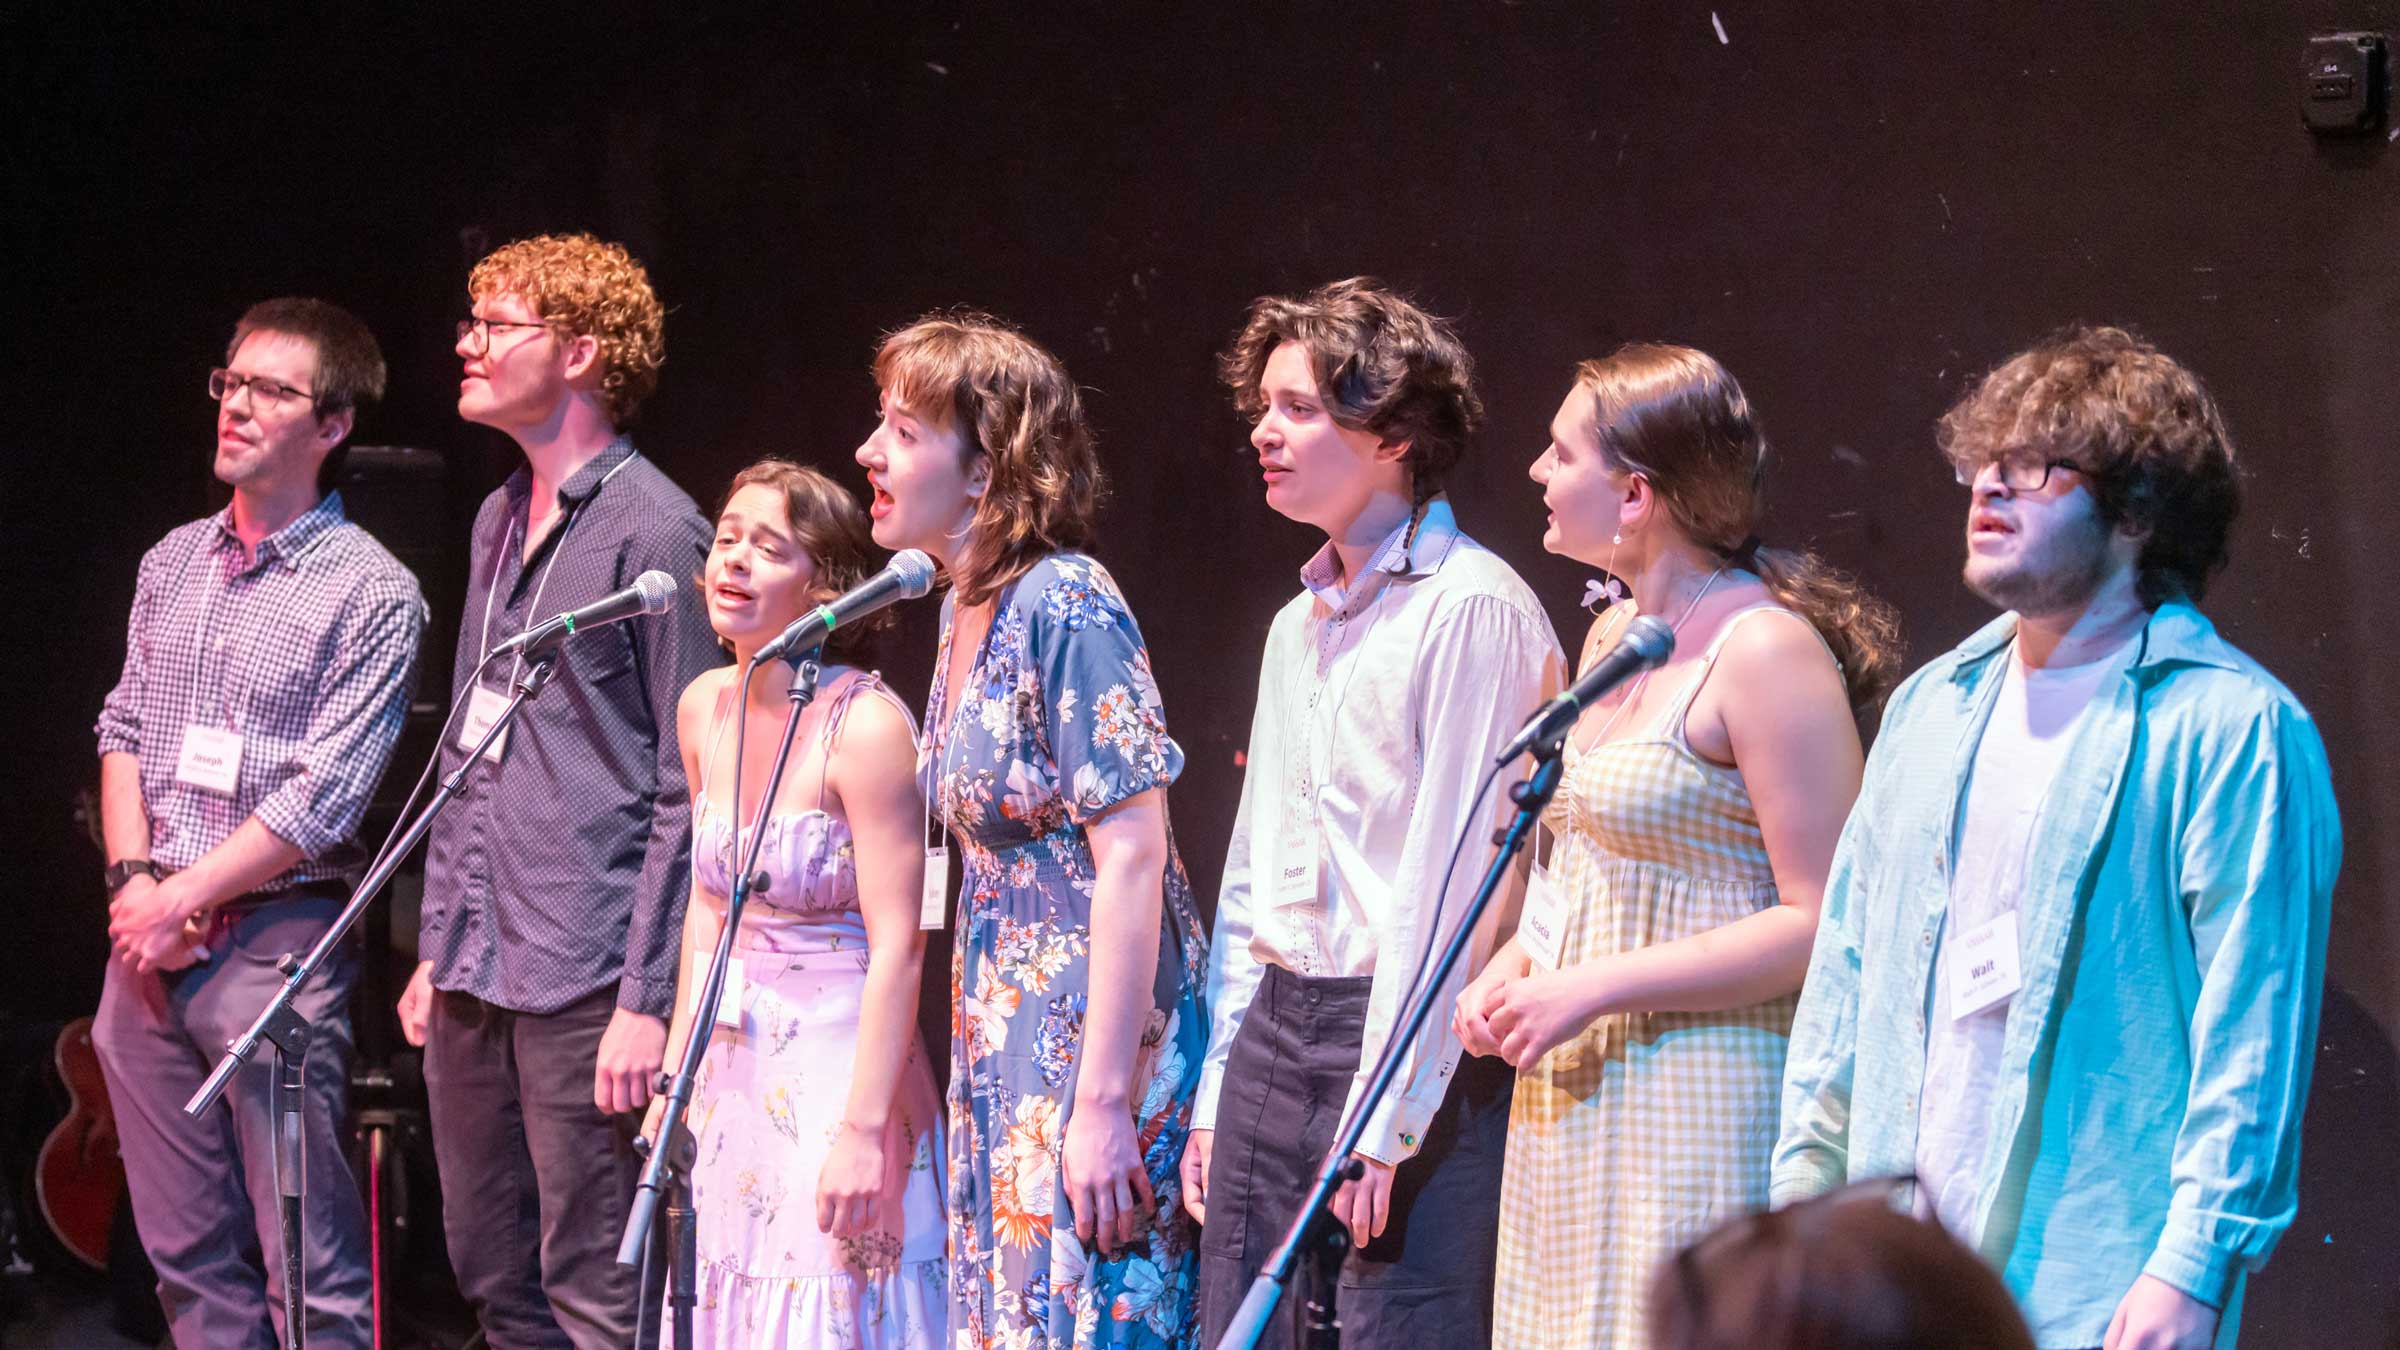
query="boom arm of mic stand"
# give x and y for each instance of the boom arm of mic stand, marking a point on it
(1531, 796)
(652, 1186)
(278, 1012)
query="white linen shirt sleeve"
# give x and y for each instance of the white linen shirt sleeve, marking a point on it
(1485, 666)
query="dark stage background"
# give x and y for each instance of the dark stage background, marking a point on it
(1858, 208)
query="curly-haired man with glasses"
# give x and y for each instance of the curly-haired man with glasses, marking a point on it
(2073, 943)
(268, 665)
(555, 885)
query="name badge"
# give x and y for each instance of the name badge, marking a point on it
(1294, 884)
(1542, 928)
(729, 1004)
(933, 903)
(1984, 966)
(211, 759)
(484, 706)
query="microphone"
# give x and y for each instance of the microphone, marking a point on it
(652, 592)
(908, 575)
(1647, 642)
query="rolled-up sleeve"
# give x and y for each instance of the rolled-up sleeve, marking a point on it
(671, 655)
(2258, 863)
(1486, 664)
(120, 726)
(362, 701)
(1812, 1150)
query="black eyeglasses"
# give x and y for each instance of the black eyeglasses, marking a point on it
(2020, 470)
(224, 384)
(477, 333)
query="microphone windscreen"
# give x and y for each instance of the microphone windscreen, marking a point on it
(658, 591)
(914, 568)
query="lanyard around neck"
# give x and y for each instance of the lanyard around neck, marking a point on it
(541, 583)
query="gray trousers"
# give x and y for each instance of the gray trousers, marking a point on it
(1428, 1280)
(204, 1190)
(536, 1179)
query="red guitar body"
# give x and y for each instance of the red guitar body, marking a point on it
(78, 1178)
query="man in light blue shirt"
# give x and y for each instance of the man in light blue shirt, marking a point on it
(2073, 942)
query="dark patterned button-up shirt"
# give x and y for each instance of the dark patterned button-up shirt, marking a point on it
(307, 651)
(562, 869)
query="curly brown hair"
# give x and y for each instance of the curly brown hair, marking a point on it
(1382, 364)
(1678, 418)
(830, 525)
(1010, 400)
(592, 289)
(2140, 426)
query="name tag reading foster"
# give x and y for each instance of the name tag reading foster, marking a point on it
(1984, 966)
(211, 759)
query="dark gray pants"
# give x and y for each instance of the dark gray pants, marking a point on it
(536, 1179)
(1428, 1280)
(203, 1190)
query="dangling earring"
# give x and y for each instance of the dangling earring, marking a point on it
(1615, 589)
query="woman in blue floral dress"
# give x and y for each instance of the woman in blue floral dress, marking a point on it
(1077, 1026)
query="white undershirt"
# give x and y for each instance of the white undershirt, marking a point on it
(2022, 746)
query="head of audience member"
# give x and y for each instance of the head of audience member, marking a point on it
(2094, 459)
(1355, 395)
(553, 318)
(1842, 1271)
(1656, 449)
(788, 539)
(981, 455)
(297, 376)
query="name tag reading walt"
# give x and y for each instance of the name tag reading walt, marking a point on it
(1984, 966)
(1542, 928)
(484, 706)
(211, 759)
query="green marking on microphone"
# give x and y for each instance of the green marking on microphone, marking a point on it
(570, 618)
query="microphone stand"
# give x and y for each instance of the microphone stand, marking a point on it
(1324, 1330)
(291, 1033)
(667, 1160)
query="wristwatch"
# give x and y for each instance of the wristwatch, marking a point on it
(121, 872)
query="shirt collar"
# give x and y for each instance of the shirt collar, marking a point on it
(2176, 633)
(1401, 554)
(287, 544)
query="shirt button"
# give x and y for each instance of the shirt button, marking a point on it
(1920, 1026)
(1928, 937)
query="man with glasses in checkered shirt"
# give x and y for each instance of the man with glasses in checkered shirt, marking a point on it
(268, 666)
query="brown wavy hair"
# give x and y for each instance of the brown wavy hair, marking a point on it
(830, 524)
(1011, 401)
(2140, 426)
(592, 289)
(1382, 364)
(1678, 418)
(1842, 1271)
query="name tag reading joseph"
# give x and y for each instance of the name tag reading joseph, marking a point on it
(211, 760)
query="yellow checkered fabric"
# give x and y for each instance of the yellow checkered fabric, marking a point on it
(1648, 1129)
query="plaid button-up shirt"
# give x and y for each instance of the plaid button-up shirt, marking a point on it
(307, 651)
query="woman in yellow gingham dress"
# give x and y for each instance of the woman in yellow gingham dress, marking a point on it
(1693, 827)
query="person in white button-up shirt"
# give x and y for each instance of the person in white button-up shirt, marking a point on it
(1388, 685)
